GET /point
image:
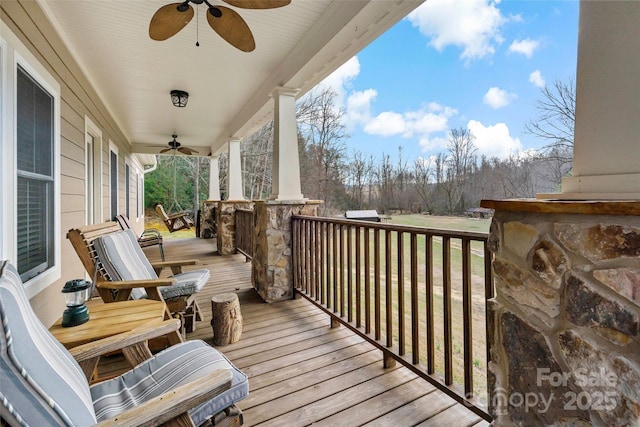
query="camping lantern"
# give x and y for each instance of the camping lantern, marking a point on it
(76, 292)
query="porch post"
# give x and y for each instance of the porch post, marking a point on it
(234, 181)
(214, 178)
(286, 161)
(607, 129)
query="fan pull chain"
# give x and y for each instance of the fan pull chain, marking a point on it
(197, 26)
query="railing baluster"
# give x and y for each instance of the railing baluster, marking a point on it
(316, 258)
(367, 282)
(335, 267)
(308, 257)
(415, 321)
(466, 317)
(446, 291)
(341, 271)
(358, 280)
(388, 298)
(400, 262)
(349, 274)
(376, 280)
(321, 277)
(431, 366)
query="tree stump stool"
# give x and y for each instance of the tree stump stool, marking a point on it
(226, 319)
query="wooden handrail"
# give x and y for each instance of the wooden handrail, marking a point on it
(386, 282)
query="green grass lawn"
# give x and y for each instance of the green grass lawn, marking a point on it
(442, 222)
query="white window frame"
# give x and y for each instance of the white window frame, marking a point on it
(90, 129)
(14, 54)
(114, 148)
(127, 186)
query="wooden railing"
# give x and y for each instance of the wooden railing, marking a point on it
(418, 294)
(244, 232)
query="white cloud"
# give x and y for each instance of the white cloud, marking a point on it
(537, 79)
(358, 107)
(386, 124)
(494, 140)
(340, 80)
(498, 98)
(421, 123)
(525, 47)
(472, 25)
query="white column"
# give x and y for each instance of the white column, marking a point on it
(286, 162)
(234, 180)
(607, 129)
(214, 178)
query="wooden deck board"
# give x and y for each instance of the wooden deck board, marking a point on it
(300, 370)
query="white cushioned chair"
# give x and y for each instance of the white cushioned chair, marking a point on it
(123, 260)
(43, 385)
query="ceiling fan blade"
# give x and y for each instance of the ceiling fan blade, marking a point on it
(187, 150)
(165, 150)
(231, 27)
(258, 4)
(168, 20)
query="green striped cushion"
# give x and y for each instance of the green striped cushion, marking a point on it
(171, 368)
(40, 382)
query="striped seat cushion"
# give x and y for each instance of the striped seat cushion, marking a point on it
(40, 382)
(123, 259)
(171, 368)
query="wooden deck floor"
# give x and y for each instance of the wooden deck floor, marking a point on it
(300, 370)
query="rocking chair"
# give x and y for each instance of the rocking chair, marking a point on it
(43, 385)
(176, 221)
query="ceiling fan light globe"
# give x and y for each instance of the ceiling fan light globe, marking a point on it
(183, 7)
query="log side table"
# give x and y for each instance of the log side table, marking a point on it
(226, 319)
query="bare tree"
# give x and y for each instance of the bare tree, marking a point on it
(322, 135)
(555, 122)
(459, 164)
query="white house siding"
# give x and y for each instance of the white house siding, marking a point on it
(29, 24)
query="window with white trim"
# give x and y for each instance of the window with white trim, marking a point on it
(35, 176)
(127, 189)
(30, 165)
(113, 181)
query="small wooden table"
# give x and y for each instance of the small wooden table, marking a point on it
(110, 319)
(106, 320)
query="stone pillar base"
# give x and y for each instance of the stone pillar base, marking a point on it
(226, 220)
(272, 271)
(565, 322)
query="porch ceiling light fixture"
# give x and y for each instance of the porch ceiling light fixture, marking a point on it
(179, 98)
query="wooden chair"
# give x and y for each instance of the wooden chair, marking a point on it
(149, 237)
(176, 221)
(179, 304)
(43, 384)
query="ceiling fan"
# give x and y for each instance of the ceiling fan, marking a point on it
(176, 146)
(229, 25)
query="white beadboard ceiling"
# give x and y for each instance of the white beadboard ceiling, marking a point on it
(229, 90)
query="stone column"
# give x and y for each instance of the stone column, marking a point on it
(234, 180)
(565, 322)
(272, 270)
(607, 130)
(226, 220)
(214, 178)
(286, 162)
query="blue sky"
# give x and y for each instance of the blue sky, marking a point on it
(476, 64)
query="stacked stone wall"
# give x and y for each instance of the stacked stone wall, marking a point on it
(272, 269)
(565, 319)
